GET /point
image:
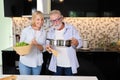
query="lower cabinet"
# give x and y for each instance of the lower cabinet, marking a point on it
(104, 65)
(10, 62)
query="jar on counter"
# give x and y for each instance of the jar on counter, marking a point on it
(85, 43)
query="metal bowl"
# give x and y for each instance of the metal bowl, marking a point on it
(66, 43)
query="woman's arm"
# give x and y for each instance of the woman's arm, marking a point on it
(39, 46)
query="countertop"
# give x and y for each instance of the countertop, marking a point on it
(40, 77)
(8, 49)
(79, 50)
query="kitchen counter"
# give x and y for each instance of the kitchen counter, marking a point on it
(78, 50)
(96, 50)
(38, 77)
(8, 49)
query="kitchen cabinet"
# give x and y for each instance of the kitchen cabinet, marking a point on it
(87, 8)
(10, 62)
(15, 8)
(103, 64)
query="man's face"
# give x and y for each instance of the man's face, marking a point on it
(56, 20)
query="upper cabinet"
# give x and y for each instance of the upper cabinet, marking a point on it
(69, 8)
(19, 8)
(13, 8)
(87, 8)
(29, 6)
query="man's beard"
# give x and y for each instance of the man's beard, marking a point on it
(58, 26)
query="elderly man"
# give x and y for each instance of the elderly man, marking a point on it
(64, 60)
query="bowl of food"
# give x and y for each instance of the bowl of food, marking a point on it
(22, 48)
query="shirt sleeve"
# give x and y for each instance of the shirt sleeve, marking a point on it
(22, 36)
(78, 37)
(44, 41)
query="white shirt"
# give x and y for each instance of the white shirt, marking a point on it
(35, 57)
(62, 57)
(69, 32)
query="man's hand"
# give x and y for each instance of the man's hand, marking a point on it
(74, 42)
(50, 50)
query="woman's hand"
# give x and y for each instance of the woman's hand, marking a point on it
(39, 46)
(34, 42)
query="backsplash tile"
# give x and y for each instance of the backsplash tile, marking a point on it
(96, 29)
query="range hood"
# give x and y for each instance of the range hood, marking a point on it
(43, 6)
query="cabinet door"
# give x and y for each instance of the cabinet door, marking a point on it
(29, 6)
(17, 8)
(9, 59)
(13, 8)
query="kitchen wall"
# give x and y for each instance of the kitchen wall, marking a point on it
(99, 31)
(6, 37)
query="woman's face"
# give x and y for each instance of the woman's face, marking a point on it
(38, 21)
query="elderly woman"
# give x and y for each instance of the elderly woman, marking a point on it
(35, 35)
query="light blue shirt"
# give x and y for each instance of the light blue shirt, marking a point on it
(69, 32)
(35, 57)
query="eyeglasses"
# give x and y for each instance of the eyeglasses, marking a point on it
(58, 19)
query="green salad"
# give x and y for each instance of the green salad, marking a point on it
(21, 44)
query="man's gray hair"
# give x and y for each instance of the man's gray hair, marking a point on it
(55, 12)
